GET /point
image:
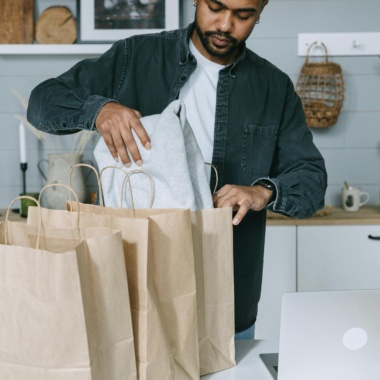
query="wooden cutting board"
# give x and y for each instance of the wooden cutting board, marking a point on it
(16, 21)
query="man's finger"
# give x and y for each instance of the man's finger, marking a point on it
(137, 113)
(140, 131)
(131, 146)
(111, 146)
(240, 214)
(122, 151)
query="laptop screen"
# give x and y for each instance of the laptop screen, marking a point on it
(330, 335)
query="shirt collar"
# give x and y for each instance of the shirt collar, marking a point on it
(184, 50)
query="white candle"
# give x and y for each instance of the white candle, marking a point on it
(21, 129)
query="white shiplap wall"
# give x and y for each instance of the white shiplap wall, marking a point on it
(351, 147)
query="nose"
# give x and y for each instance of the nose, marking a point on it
(225, 21)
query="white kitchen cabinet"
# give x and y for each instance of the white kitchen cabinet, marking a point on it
(279, 277)
(314, 258)
(337, 257)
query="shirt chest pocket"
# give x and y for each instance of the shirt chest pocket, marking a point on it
(258, 147)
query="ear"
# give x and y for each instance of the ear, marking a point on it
(263, 4)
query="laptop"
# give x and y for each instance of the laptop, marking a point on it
(329, 335)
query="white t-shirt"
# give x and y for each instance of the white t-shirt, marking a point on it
(199, 96)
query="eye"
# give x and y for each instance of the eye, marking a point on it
(217, 9)
(243, 17)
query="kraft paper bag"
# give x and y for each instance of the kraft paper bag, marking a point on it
(213, 255)
(159, 259)
(64, 312)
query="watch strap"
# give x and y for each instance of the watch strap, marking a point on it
(268, 185)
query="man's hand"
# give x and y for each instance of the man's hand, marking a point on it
(242, 199)
(115, 123)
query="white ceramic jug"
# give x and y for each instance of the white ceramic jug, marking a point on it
(59, 166)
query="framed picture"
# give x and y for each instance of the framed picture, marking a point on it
(106, 21)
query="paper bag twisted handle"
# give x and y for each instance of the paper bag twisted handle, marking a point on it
(216, 176)
(7, 217)
(113, 167)
(127, 178)
(98, 180)
(71, 191)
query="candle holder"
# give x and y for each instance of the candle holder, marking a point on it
(24, 167)
(25, 203)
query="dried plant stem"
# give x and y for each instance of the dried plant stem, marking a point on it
(81, 140)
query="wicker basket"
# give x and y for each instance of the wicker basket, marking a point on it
(321, 88)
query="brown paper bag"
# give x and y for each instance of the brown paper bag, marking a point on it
(212, 239)
(160, 269)
(213, 254)
(64, 314)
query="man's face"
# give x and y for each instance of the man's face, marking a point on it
(222, 26)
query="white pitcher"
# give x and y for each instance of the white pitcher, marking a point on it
(59, 166)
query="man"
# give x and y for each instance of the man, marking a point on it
(244, 112)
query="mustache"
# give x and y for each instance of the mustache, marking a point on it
(221, 34)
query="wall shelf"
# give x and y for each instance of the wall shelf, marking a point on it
(37, 49)
(340, 44)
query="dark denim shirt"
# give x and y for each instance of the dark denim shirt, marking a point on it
(260, 130)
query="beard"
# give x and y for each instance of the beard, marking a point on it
(215, 51)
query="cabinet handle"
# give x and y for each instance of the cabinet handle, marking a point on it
(373, 237)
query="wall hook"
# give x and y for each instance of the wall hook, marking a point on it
(341, 44)
(355, 43)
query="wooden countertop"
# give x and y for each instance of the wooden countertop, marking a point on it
(367, 215)
(13, 216)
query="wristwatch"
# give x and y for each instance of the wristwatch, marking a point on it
(268, 185)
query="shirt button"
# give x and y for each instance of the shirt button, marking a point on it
(183, 78)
